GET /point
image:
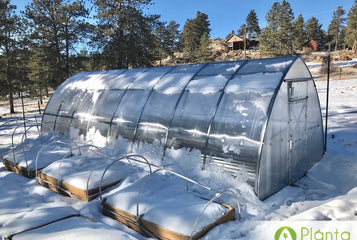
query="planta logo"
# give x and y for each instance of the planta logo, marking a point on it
(285, 233)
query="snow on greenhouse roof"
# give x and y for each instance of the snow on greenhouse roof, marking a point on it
(162, 77)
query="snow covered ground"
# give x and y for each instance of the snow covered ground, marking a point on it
(327, 192)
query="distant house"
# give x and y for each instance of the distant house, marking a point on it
(235, 43)
(310, 45)
(252, 40)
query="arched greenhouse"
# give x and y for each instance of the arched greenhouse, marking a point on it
(263, 115)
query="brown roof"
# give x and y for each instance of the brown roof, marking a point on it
(235, 38)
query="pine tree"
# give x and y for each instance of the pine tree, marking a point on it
(336, 27)
(286, 31)
(74, 27)
(314, 31)
(351, 29)
(173, 37)
(168, 39)
(40, 71)
(125, 35)
(9, 32)
(57, 26)
(201, 24)
(162, 49)
(268, 41)
(299, 32)
(192, 34)
(241, 30)
(252, 22)
(188, 40)
(277, 36)
(204, 51)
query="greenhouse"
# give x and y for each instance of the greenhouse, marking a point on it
(262, 115)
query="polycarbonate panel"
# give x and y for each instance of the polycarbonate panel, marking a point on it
(48, 122)
(124, 121)
(173, 83)
(241, 115)
(194, 112)
(70, 80)
(298, 71)
(148, 79)
(50, 113)
(84, 114)
(272, 171)
(73, 92)
(160, 106)
(88, 81)
(267, 65)
(110, 78)
(104, 109)
(66, 109)
(297, 90)
(191, 121)
(221, 68)
(297, 93)
(315, 136)
(54, 103)
(125, 79)
(133, 101)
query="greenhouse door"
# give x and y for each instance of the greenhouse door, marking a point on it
(297, 147)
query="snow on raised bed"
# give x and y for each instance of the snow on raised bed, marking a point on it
(45, 148)
(81, 175)
(165, 202)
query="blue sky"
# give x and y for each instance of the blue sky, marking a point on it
(228, 15)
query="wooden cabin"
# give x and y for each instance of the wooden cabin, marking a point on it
(235, 43)
(311, 45)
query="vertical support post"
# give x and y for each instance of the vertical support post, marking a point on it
(39, 107)
(23, 111)
(327, 93)
(245, 43)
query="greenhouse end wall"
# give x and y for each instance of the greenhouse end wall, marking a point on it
(236, 113)
(293, 140)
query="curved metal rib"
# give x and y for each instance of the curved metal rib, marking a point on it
(217, 195)
(142, 109)
(78, 147)
(175, 108)
(12, 139)
(121, 99)
(45, 146)
(215, 112)
(129, 158)
(23, 144)
(168, 170)
(91, 172)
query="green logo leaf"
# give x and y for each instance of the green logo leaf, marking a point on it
(285, 233)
